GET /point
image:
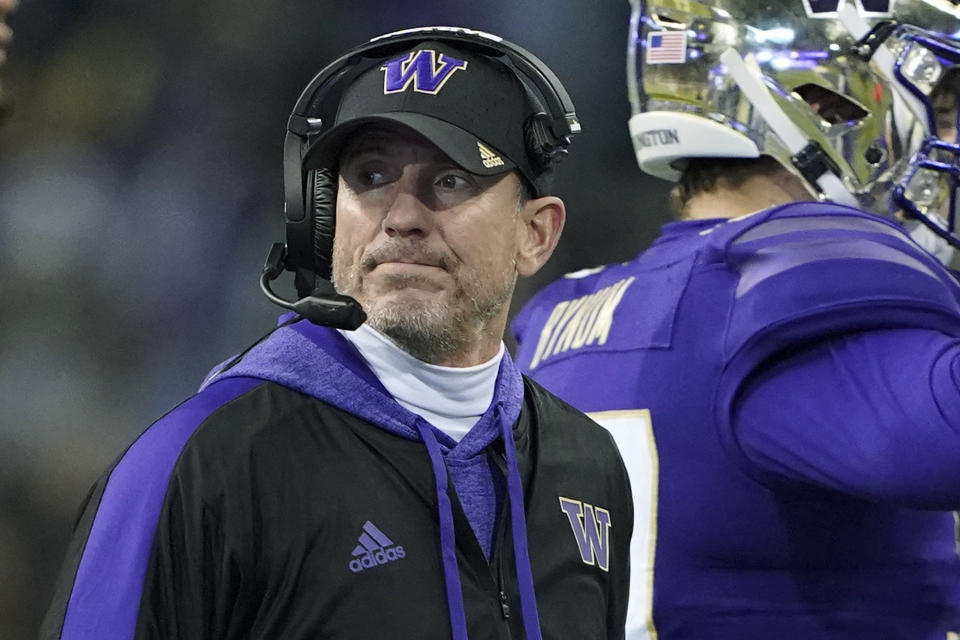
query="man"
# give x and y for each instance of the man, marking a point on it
(6, 37)
(780, 372)
(383, 482)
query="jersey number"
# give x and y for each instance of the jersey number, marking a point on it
(633, 433)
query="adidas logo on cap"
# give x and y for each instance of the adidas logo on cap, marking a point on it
(488, 157)
(375, 548)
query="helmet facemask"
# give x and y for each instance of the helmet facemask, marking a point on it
(926, 190)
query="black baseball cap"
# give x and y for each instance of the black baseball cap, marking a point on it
(471, 106)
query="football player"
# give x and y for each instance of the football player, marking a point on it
(781, 367)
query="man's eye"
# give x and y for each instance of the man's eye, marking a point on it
(364, 178)
(371, 178)
(453, 182)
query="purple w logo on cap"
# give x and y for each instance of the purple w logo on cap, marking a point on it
(420, 68)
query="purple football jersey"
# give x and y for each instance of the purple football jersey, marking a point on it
(744, 531)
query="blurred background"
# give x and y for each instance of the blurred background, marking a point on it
(141, 187)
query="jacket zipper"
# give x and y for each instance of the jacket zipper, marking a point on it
(501, 462)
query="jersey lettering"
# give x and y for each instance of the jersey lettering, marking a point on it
(580, 322)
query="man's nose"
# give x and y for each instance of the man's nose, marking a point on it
(407, 213)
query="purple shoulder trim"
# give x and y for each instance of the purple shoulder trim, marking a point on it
(106, 592)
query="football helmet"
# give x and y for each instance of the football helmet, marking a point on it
(845, 94)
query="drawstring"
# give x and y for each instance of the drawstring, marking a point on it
(518, 520)
(458, 617)
(528, 598)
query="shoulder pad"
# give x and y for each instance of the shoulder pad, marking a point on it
(809, 270)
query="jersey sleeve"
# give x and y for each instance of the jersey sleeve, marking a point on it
(822, 378)
(113, 559)
(874, 415)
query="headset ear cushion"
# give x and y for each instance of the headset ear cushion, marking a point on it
(322, 191)
(544, 148)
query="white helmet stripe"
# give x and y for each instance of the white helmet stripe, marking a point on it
(756, 91)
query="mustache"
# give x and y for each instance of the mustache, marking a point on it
(406, 251)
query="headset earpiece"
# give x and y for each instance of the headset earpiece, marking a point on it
(322, 191)
(545, 148)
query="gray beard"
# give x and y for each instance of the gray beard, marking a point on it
(433, 333)
(429, 334)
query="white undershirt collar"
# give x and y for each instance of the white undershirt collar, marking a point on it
(450, 398)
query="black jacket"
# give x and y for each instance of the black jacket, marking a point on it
(255, 510)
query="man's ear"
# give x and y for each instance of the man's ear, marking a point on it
(540, 222)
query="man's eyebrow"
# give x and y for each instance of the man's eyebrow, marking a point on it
(382, 146)
(366, 146)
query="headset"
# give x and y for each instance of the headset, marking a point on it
(310, 191)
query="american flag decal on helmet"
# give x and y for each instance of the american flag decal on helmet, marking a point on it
(420, 68)
(666, 47)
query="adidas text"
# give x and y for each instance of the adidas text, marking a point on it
(378, 557)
